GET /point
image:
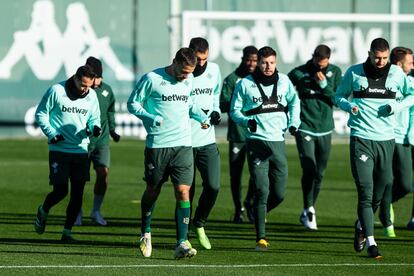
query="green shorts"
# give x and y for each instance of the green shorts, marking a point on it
(64, 166)
(176, 163)
(99, 155)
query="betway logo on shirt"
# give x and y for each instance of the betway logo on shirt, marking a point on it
(201, 91)
(260, 99)
(74, 110)
(174, 98)
(377, 90)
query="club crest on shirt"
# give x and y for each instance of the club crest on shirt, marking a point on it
(105, 93)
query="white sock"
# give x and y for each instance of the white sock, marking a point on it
(371, 241)
(97, 202)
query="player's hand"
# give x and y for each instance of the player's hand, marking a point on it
(319, 76)
(205, 124)
(115, 136)
(96, 131)
(252, 125)
(157, 121)
(355, 110)
(293, 131)
(384, 111)
(57, 139)
(215, 118)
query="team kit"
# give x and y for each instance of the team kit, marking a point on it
(180, 105)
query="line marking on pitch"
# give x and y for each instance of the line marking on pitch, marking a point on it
(199, 266)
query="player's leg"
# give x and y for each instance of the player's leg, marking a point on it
(258, 160)
(181, 173)
(237, 153)
(208, 163)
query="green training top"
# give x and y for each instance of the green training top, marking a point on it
(58, 114)
(106, 101)
(370, 122)
(235, 133)
(206, 95)
(159, 96)
(271, 126)
(316, 114)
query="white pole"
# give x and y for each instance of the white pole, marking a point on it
(395, 9)
(174, 24)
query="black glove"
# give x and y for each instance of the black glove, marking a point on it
(293, 130)
(215, 118)
(96, 131)
(56, 139)
(384, 111)
(252, 125)
(115, 136)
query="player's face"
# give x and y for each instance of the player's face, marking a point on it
(321, 63)
(182, 71)
(97, 82)
(267, 65)
(250, 62)
(379, 59)
(202, 58)
(83, 84)
(407, 64)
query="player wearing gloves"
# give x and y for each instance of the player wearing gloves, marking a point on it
(206, 95)
(64, 111)
(259, 103)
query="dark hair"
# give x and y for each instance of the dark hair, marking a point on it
(399, 53)
(249, 50)
(379, 44)
(186, 56)
(266, 51)
(85, 71)
(96, 65)
(198, 44)
(321, 52)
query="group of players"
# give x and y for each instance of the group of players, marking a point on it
(181, 103)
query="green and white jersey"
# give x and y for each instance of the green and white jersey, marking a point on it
(369, 123)
(271, 126)
(404, 120)
(106, 101)
(58, 114)
(159, 94)
(206, 95)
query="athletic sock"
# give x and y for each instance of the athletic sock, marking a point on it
(147, 208)
(97, 202)
(183, 219)
(371, 241)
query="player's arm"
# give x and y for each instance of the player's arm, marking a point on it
(215, 117)
(198, 114)
(111, 116)
(293, 103)
(236, 105)
(137, 98)
(343, 92)
(226, 92)
(42, 113)
(94, 120)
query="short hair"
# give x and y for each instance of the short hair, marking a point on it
(96, 65)
(398, 54)
(85, 71)
(265, 52)
(321, 52)
(186, 56)
(380, 45)
(199, 44)
(249, 50)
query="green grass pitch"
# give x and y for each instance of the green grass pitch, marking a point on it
(112, 250)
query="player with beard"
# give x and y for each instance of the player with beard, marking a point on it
(316, 82)
(236, 136)
(373, 85)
